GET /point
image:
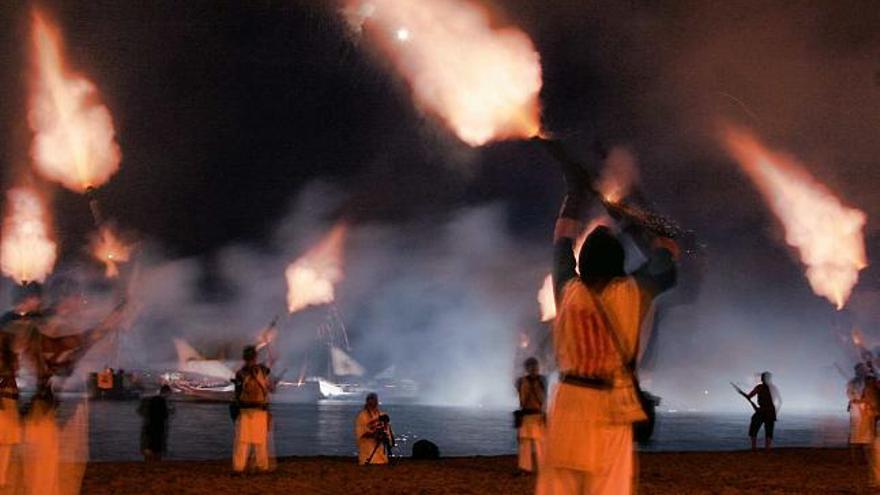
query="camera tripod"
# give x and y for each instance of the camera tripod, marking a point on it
(381, 441)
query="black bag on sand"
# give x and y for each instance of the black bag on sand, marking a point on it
(425, 449)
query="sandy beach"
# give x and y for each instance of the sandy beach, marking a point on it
(802, 471)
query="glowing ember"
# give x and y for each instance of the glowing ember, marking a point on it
(546, 300)
(27, 254)
(857, 338)
(618, 175)
(481, 81)
(267, 336)
(827, 234)
(108, 248)
(311, 279)
(74, 138)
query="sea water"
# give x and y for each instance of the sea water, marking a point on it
(204, 431)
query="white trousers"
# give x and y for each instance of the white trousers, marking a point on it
(617, 480)
(251, 430)
(5, 457)
(531, 454)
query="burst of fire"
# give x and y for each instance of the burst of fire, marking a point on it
(27, 253)
(826, 233)
(108, 248)
(482, 81)
(546, 300)
(618, 175)
(312, 278)
(301, 377)
(74, 141)
(857, 338)
(266, 337)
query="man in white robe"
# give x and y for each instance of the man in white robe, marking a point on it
(589, 445)
(373, 433)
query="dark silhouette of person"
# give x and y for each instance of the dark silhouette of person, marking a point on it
(154, 433)
(765, 411)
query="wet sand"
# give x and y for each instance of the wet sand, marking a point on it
(802, 471)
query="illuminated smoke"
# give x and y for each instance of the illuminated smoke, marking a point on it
(482, 81)
(108, 248)
(312, 278)
(546, 301)
(619, 175)
(27, 254)
(73, 132)
(827, 234)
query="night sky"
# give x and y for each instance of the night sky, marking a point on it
(225, 110)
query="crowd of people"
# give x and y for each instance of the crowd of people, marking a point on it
(581, 444)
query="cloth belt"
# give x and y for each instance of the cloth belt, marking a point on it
(596, 382)
(529, 412)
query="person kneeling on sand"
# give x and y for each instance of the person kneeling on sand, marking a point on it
(372, 429)
(252, 389)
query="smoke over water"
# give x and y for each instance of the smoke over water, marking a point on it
(439, 303)
(445, 297)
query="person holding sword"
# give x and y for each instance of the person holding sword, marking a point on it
(765, 410)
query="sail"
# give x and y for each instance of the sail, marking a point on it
(190, 361)
(185, 352)
(343, 364)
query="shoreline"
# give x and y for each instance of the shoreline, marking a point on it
(783, 470)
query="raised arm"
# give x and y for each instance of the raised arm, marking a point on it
(569, 222)
(751, 394)
(659, 273)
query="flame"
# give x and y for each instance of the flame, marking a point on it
(302, 374)
(74, 140)
(482, 81)
(27, 254)
(546, 300)
(312, 277)
(107, 248)
(857, 338)
(266, 337)
(827, 234)
(618, 175)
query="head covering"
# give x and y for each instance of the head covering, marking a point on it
(601, 257)
(249, 353)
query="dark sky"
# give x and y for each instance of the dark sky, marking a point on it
(224, 110)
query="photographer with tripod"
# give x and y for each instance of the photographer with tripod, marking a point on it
(372, 429)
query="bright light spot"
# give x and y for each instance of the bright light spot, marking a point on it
(403, 34)
(705, 392)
